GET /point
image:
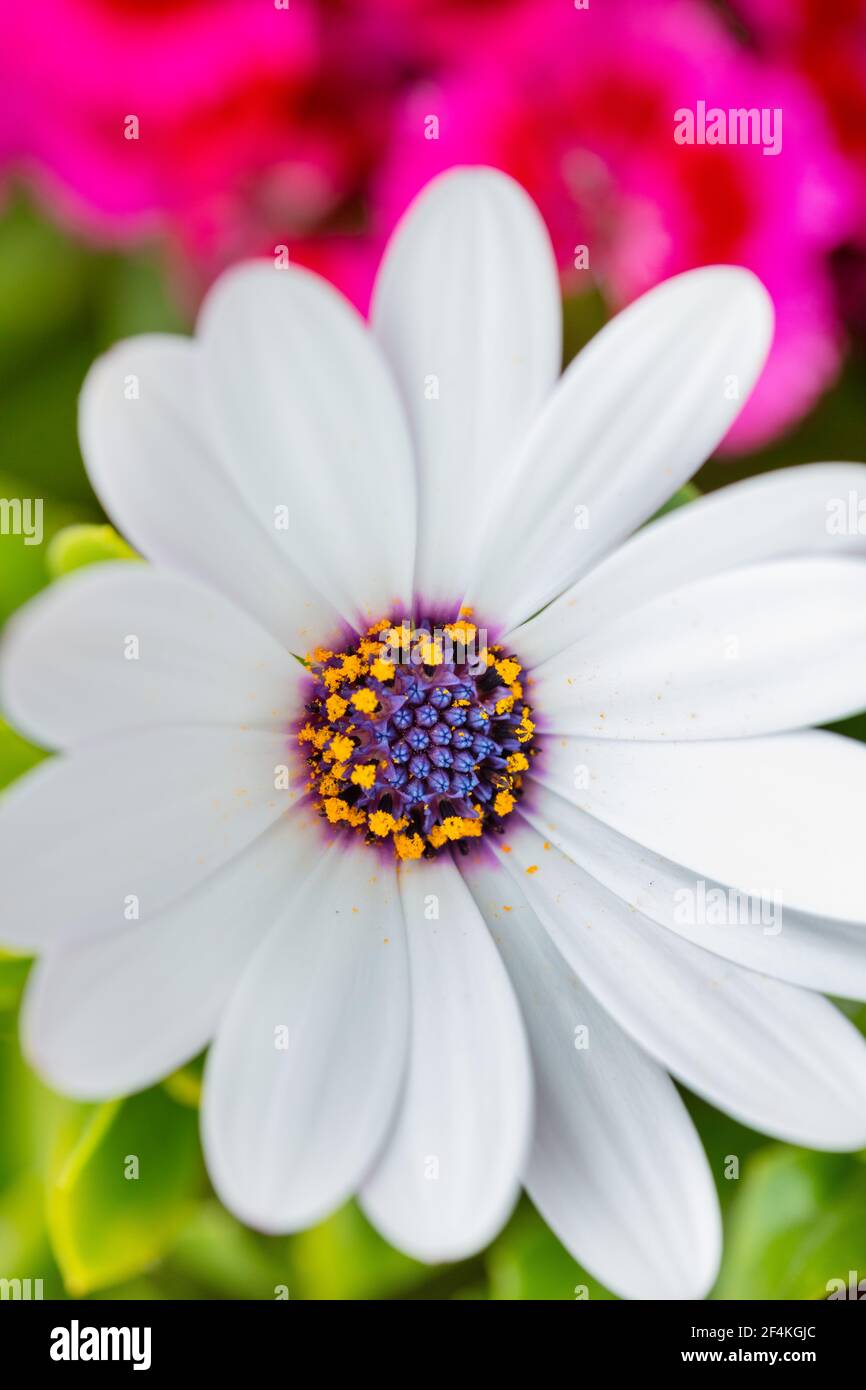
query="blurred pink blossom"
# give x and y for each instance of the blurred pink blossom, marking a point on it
(262, 126)
(579, 106)
(826, 41)
(244, 139)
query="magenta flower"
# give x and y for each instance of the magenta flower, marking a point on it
(580, 107)
(214, 122)
(826, 41)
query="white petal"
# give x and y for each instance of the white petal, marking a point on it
(307, 417)
(147, 816)
(291, 1120)
(450, 1172)
(750, 651)
(66, 673)
(616, 1169)
(467, 305)
(778, 818)
(114, 1013)
(633, 418)
(790, 511)
(163, 484)
(819, 953)
(778, 1058)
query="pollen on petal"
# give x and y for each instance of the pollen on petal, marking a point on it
(383, 823)
(409, 846)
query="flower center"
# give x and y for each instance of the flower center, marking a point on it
(417, 735)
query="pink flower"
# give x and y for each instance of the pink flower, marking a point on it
(243, 140)
(826, 41)
(580, 107)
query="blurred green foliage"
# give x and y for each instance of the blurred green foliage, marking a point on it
(70, 1211)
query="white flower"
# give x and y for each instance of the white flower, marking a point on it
(434, 1036)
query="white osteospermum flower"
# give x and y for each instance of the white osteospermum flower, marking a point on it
(458, 1024)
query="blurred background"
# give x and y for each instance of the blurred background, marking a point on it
(145, 147)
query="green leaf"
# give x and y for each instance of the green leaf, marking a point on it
(227, 1260)
(24, 1249)
(797, 1222)
(185, 1084)
(17, 756)
(77, 546)
(43, 284)
(13, 977)
(584, 313)
(134, 298)
(38, 425)
(687, 493)
(344, 1258)
(123, 1181)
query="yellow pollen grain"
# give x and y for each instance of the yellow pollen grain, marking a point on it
(336, 707)
(382, 670)
(365, 701)
(461, 631)
(398, 637)
(340, 748)
(533, 869)
(517, 762)
(333, 676)
(430, 652)
(409, 846)
(383, 823)
(509, 670)
(505, 705)
(526, 728)
(364, 776)
(503, 803)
